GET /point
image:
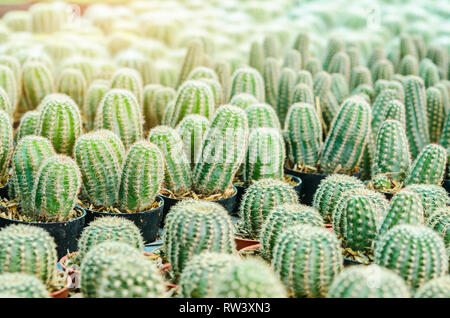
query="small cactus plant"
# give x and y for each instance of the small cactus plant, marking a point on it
(129, 79)
(243, 100)
(435, 113)
(192, 129)
(248, 80)
(8, 83)
(286, 85)
(92, 99)
(432, 196)
(415, 268)
(156, 99)
(248, 278)
(29, 250)
(38, 82)
(371, 281)
(429, 166)
(22, 285)
(6, 144)
(193, 58)
(271, 75)
(5, 103)
(307, 258)
(283, 217)
(262, 115)
(439, 221)
(72, 83)
(435, 288)
(259, 200)
(28, 124)
(182, 243)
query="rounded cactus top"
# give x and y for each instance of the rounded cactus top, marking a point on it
(435, 288)
(243, 100)
(22, 285)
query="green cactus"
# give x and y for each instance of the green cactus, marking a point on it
(93, 97)
(325, 99)
(5, 103)
(414, 267)
(8, 83)
(134, 59)
(382, 85)
(435, 113)
(349, 133)
(248, 80)
(202, 72)
(72, 83)
(223, 71)
(100, 155)
(28, 124)
(260, 199)
(293, 60)
(376, 55)
(428, 72)
(409, 66)
(99, 259)
(271, 46)
(379, 108)
(262, 115)
(216, 90)
(37, 83)
(223, 150)
(313, 65)
(432, 196)
(193, 97)
(439, 221)
(335, 45)
(371, 281)
(304, 77)
(30, 153)
(265, 155)
(142, 177)
(256, 56)
(192, 129)
(271, 76)
(60, 122)
(22, 286)
(248, 278)
(303, 135)
(405, 207)
(339, 87)
(132, 278)
(29, 250)
(445, 135)
(6, 144)
(120, 112)
(302, 93)
(14, 65)
(301, 44)
(281, 218)
(382, 69)
(429, 166)
(156, 99)
(340, 63)
(129, 79)
(184, 224)
(177, 175)
(359, 75)
(391, 157)
(86, 65)
(243, 100)
(330, 190)
(111, 229)
(439, 56)
(435, 288)
(307, 258)
(197, 278)
(193, 58)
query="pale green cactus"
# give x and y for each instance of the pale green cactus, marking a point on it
(439, 221)
(301, 44)
(156, 99)
(192, 129)
(223, 71)
(93, 97)
(435, 288)
(304, 77)
(243, 100)
(256, 56)
(271, 75)
(193, 58)
(340, 63)
(248, 80)
(358, 76)
(409, 66)
(20, 285)
(435, 113)
(382, 69)
(37, 83)
(72, 83)
(339, 87)
(271, 46)
(6, 144)
(262, 115)
(335, 45)
(9, 93)
(216, 90)
(302, 93)
(129, 79)
(132, 58)
(293, 60)
(28, 124)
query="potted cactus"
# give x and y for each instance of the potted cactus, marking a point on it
(119, 183)
(6, 139)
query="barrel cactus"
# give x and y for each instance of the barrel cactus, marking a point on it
(129, 79)
(371, 281)
(38, 82)
(439, 221)
(271, 75)
(435, 288)
(100, 155)
(262, 115)
(243, 100)
(432, 196)
(22, 286)
(182, 243)
(8, 83)
(72, 83)
(260, 199)
(415, 268)
(307, 258)
(302, 93)
(429, 166)
(5, 103)
(282, 217)
(6, 144)
(28, 124)
(132, 58)
(193, 58)
(435, 113)
(248, 80)
(92, 99)
(286, 85)
(192, 129)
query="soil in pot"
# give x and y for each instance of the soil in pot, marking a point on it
(227, 199)
(147, 221)
(65, 233)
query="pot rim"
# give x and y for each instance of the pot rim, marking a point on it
(49, 223)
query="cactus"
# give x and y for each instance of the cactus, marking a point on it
(60, 122)
(243, 100)
(193, 58)
(405, 207)
(202, 72)
(428, 72)
(409, 66)
(380, 107)
(14, 65)
(197, 278)
(142, 176)
(86, 65)
(28, 124)
(358, 76)
(29, 250)
(383, 69)
(335, 45)
(223, 150)
(22, 286)
(313, 66)
(8, 84)
(445, 135)
(48, 17)
(100, 155)
(111, 229)
(256, 56)
(248, 80)
(339, 87)
(303, 134)
(429, 166)
(382, 85)
(293, 60)
(432, 196)
(99, 259)
(371, 281)
(72, 83)
(184, 224)
(193, 97)
(6, 144)
(281, 218)
(349, 133)
(262, 115)
(223, 71)
(435, 288)
(55, 190)
(132, 278)
(302, 93)
(330, 190)
(439, 221)
(248, 278)
(37, 83)
(30, 153)
(435, 113)
(265, 155)
(301, 44)
(340, 63)
(304, 77)
(439, 56)
(177, 175)
(155, 104)
(271, 76)
(216, 90)
(129, 79)
(321, 89)
(119, 112)
(271, 46)
(423, 253)
(134, 59)
(93, 97)
(260, 199)
(192, 130)
(391, 157)
(307, 258)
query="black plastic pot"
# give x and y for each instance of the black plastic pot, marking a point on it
(446, 185)
(66, 233)
(387, 195)
(147, 221)
(228, 203)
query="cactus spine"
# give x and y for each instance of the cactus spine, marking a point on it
(432, 196)
(243, 100)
